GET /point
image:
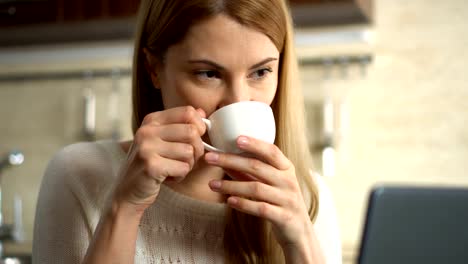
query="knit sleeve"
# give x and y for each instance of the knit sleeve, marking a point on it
(61, 232)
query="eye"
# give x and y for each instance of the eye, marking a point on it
(261, 73)
(207, 74)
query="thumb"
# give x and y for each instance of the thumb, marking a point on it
(201, 112)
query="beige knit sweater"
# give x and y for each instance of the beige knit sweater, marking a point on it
(175, 229)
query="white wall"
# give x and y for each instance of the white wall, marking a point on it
(408, 119)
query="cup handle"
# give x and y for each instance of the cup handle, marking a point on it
(207, 146)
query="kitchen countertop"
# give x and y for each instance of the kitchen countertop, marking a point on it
(17, 248)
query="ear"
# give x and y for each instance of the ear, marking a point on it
(151, 67)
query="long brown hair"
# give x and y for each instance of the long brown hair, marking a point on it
(162, 23)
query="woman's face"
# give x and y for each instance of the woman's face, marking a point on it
(219, 62)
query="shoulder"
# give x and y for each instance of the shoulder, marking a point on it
(70, 159)
(73, 191)
(84, 166)
(85, 152)
(83, 156)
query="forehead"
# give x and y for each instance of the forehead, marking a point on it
(224, 40)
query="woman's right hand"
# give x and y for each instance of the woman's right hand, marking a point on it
(166, 146)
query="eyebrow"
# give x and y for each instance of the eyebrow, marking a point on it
(219, 67)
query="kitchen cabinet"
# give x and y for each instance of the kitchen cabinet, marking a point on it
(77, 10)
(28, 12)
(319, 13)
(35, 22)
(29, 22)
(23, 12)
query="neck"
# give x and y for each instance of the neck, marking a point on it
(195, 184)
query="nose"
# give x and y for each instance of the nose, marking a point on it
(235, 91)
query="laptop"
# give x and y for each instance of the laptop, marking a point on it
(415, 225)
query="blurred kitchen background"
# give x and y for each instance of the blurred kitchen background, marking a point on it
(385, 85)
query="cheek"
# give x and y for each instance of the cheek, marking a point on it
(266, 95)
(173, 93)
(273, 91)
(270, 97)
(185, 92)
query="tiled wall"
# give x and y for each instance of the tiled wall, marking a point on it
(408, 118)
(40, 117)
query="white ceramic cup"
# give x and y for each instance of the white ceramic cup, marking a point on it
(245, 118)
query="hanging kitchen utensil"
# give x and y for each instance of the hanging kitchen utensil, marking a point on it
(114, 115)
(89, 98)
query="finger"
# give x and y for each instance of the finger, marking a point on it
(177, 151)
(160, 168)
(248, 166)
(252, 189)
(182, 115)
(182, 133)
(267, 152)
(259, 209)
(201, 112)
(178, 132)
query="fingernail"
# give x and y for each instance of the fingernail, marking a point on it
(243, 141)
(211, 157)
(232, 200)
(215, 184)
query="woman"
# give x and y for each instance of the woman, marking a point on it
(160, 198)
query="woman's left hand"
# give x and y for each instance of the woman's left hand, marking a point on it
(269, 189)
